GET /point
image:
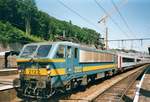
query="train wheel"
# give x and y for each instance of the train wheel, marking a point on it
(106, 74)
(92, 78)
(79, 83)
(113, 72)
(84, 80)
(70, 85)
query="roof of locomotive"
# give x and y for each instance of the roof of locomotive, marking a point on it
(59, 42)
(82, 47)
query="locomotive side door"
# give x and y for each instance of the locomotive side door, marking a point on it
(69, 60)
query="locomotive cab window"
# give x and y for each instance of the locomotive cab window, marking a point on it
(60, 52)
(69, 52)
(75, 52)
(28, 51)
(43, 50)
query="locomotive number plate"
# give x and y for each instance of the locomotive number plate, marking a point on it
(32, 71)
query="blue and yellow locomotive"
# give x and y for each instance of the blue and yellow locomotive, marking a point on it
(47, 67)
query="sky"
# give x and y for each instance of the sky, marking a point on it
(136, 14)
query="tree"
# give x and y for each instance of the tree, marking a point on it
(24, 15)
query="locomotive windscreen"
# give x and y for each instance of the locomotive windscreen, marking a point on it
(35, 51)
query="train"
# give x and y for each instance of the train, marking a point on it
(47, 67)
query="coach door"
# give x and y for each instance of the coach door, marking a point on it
(69, 60)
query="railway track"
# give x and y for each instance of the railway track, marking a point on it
(117, 92)
(115, 89)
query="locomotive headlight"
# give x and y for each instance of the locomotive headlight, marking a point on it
(19, 71)
(48, 72)
(48, 69)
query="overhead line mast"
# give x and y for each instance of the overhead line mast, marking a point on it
(103, 20)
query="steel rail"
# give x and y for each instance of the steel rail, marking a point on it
(128, 86)
(138, 74)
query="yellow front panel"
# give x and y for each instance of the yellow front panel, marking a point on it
(43, 71)
(33, 71)
(60, 71)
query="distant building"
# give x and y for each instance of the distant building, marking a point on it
(8, 59)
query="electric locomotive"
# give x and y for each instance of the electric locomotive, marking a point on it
(47, 67)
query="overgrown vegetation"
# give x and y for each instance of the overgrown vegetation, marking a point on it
(43, 27)
(10, 34)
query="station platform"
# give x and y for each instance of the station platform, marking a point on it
(143, 92)
(8, 71)
(7, 91)
(6, 78)
(6, 82)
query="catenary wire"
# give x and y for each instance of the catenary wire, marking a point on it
(122, 17)
(114, 22)
(82, 17)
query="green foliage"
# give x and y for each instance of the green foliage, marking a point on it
(18, 12)
(11, 34)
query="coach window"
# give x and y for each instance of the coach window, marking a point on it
(60, 52)
(69, 52)
(138, 60)
(128, 59)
